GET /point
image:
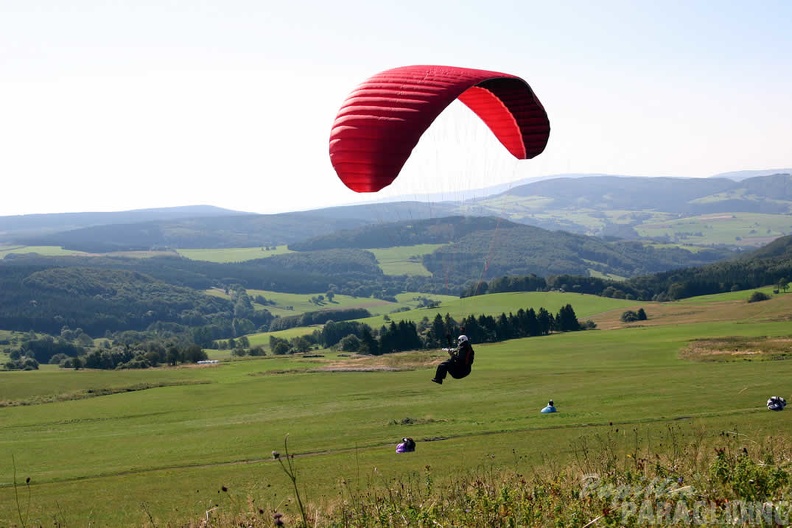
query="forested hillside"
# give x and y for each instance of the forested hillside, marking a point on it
(771, 265)
(508, 248)
(472, 246)
(520, 250)
(45, 299)
(103, 294)
(404, 233)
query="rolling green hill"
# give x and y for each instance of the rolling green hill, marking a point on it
(478, 249)
(380, 251)
(98, 294)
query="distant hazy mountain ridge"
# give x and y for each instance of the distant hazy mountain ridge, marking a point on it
(582, 205)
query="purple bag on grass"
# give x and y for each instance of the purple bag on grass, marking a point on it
(407, 445)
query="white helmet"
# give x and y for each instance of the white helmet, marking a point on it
(462, 338)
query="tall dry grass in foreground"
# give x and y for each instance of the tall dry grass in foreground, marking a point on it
(614, 480)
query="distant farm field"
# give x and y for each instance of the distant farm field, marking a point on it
(740, 229)
(49, 251)
(404, 260)
(287, 304)
(211, 255)
(232, 254)
(164, 447)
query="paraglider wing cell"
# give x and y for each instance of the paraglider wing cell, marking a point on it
(382, 120)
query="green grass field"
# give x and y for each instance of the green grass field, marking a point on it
(201, 437)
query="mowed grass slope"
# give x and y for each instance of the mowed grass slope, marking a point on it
(505, 303)
(166, 453)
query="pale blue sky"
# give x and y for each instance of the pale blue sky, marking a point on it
(115, 105)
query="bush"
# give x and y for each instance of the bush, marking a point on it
(758, 296)
(629, 316)
(57, 359)
(138, 362)
(23, 363)
(350, 343)
(257, 350)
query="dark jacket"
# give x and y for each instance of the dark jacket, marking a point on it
(464, 355)
(461, 360)
(458, 365)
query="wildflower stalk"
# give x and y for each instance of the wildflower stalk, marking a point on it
(22, 521)
(291, 472)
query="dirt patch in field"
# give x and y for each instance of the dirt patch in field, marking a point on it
(738, 349)
(386, 362)
(398, 361)
(717, 217)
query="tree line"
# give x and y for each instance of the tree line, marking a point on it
(355, 336)
(71, 350)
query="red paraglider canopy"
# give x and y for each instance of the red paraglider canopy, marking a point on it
(382, 120)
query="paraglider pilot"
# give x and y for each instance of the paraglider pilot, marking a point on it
(460, 362)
